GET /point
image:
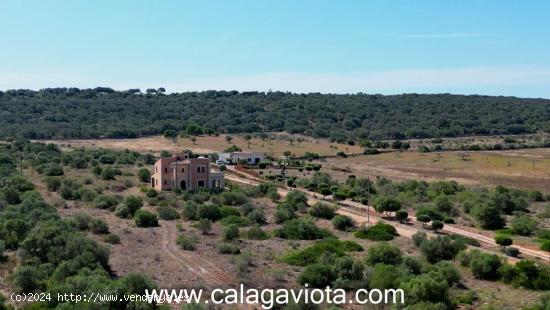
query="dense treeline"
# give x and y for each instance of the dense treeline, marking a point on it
(103, 112)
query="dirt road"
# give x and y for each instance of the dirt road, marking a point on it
(358, 212)
(200, 266)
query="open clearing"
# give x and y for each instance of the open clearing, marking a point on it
(528, 168)
(209, 144)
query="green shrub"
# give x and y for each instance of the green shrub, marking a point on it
(99, 226)
(122, 211)
(107, 159)
(342, 222)
(190, 209)
(167, 213)
(133, 203)
(52, 183)
(431, 212)
(283, 213)
(536, 196)
(188, 243)
(401, 215)
(437, 225)
(112, 238)
(235, 220)
(144, 175)
(2, 256)
(465, 240)
(441, 248)
(339, 195)
(443, 204)
(104, 201)
(205, 226)
(313, 253)
(545, 245)
(233, 198)
(301, 229)
(384, 253)
(317, 275)
(503, 240)
(107, 174)
(256, 233)
(86, 194)
(81, 221)
(211, 212)
(144, 218)
(543, 233)
(67, 192)
(97, 170)
(230, 233)
(426, 293)
(229, 211)
(447, 271)
(257, 217)
(485, 266)
(523, 225)
(419, 237)
(489, 216)
(378, 232)
(151, 193)
(228, 248)
(322, 210)
(28, 278)
(53, 170)
(387, 204)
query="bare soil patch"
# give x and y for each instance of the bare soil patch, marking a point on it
(529, 169)
(209, 144)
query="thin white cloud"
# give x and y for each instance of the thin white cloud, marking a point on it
(446, 35)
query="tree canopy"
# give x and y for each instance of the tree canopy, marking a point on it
(103, 112)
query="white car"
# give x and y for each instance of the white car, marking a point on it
(221, 162)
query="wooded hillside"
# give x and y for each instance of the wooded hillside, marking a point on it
(103, 112)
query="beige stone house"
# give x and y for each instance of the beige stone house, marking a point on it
(181, 171)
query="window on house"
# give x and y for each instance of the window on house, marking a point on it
(164, 181)
(200, 183)
(156, 169)
(165, 169)
(182, 169)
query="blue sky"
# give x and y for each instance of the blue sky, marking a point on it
(484, 47)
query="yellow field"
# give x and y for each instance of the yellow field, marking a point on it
(529, 168)
(209, 144)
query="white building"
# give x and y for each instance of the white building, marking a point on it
(252, 158)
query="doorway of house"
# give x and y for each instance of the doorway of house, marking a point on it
(183, 185)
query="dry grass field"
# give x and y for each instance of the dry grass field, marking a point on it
(209, 144)
(528, 168)
(525, 168)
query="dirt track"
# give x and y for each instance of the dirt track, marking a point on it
(358, 212)
(198, 265)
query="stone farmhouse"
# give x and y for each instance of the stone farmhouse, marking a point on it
(181, 171)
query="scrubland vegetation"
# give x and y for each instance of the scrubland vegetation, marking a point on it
(295, 241)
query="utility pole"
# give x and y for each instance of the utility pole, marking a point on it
(368, 199)
(176, 180)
